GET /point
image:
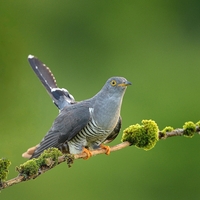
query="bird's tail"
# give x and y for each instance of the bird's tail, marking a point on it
(60, 96)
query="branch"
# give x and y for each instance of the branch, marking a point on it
(175, 132)
(143, 136)
(69, 158)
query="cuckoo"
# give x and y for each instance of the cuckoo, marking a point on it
(80, 126)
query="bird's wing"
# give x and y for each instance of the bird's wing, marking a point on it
(115, 132)
(60, 96)
(69, 122)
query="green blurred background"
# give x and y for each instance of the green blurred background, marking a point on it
(154, 44)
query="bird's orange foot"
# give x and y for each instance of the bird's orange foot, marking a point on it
(88, 152)
(107, 148)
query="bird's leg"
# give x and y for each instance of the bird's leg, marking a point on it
(107, 148)
(88, 152)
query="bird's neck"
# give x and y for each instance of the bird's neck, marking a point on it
(108, 109)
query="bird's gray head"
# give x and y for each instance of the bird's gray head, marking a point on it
(115, 86)
(117, 83)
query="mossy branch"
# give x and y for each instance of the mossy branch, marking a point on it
(143, 136)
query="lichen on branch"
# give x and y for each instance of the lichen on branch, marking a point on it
(144, 136)
(4, 165)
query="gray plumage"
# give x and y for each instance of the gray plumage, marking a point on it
(60, 96)
(88, 123)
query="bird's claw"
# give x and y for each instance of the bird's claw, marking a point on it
(88, 152)
(107, 148)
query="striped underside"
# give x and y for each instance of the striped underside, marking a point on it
(90, 136)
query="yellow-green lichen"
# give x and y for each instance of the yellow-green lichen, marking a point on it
(167, 129)
(4, 165)
(162, 134)
(29, 168)
(142, 136)
(189, 129)
(49, 157)
(198, 124)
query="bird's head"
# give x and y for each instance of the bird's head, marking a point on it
(116, 85)
(117, 82)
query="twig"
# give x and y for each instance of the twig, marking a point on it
(61, 159)
(69, 158)
(175, 132)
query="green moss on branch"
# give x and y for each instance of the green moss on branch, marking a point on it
(189, 129)
(142, 136)
(48, 159)
(4, 165)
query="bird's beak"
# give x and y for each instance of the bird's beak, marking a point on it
(125, 84)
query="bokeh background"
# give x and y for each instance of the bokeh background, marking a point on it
(154, 44)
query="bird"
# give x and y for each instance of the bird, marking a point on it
(80, 126)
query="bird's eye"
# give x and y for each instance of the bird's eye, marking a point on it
(113, 82)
